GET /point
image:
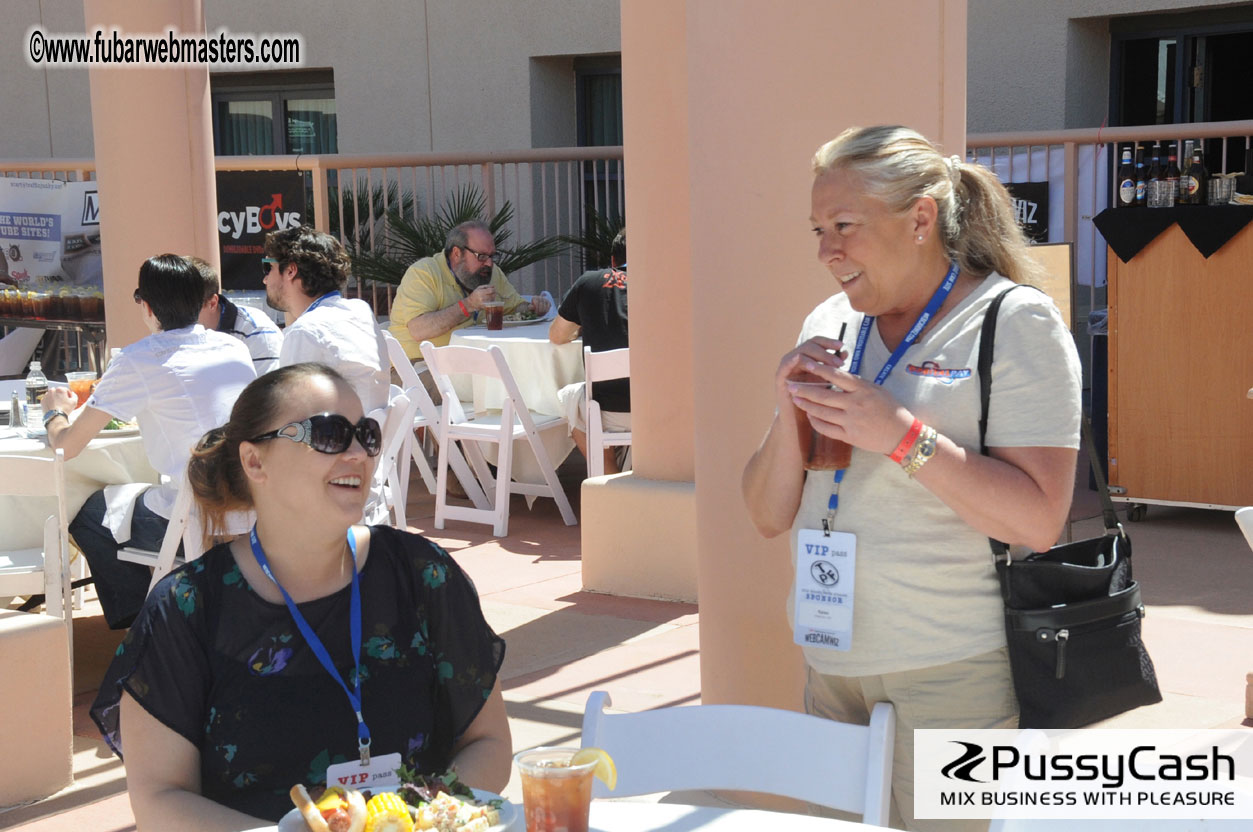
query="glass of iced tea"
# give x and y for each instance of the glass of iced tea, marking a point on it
(820, 452)
(81, 385)
(494, 312)
(556, 794)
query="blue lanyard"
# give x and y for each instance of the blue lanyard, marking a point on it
(319, 649)
(933, 306)
(334, 293)
(859, 349)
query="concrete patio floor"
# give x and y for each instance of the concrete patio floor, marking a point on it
(563, 643)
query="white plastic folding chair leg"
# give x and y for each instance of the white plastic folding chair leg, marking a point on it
(395, 419)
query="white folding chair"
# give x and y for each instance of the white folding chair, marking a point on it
(185, 527)
(426, 415)
(44, 570)
(748, 748)
(395, 420)
(514, 421)
(602, 366)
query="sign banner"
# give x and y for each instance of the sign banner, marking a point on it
(251, 204)
(1084, 774)
(1031, 208)
(49, 234)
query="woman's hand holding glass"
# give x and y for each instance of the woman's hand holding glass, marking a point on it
(854, 409)
(817, 350)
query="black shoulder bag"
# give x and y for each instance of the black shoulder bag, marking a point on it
(1072, 614)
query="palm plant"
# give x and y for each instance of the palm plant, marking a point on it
(406, 241)
(596, 239)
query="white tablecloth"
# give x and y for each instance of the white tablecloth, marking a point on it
(540, 368)
(625, 816)
(105, 461)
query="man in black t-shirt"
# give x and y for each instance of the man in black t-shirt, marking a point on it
(596, 306)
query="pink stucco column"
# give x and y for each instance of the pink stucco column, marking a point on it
(153, 132)
(724, 105)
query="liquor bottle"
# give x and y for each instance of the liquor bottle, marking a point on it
(36, 386)
(1142, 179)
(1186, 161)
(1198, 176)
(1170, 182)
(1126, 181)
(1154, 195)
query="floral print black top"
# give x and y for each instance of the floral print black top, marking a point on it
(229, 671)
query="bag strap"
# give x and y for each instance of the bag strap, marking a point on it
(987, 341)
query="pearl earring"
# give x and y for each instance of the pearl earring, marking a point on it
(920, 238)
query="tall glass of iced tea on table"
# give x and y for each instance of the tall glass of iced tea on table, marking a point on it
(81, 385)
(556, 791)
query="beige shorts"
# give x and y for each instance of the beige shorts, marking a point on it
(972, 693)
(574, 405)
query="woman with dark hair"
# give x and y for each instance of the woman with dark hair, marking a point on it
(919, 245)
(254, 667)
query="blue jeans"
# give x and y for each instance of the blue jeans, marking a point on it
(120, 585)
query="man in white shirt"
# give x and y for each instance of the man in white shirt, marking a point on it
(179, 382)
(253, 327)
(306, 272)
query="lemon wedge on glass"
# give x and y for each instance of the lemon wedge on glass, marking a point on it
(605, 769)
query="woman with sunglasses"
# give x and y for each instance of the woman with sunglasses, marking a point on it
(310, 642)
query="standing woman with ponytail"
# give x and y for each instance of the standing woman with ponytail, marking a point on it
(254, 667)
(919, 246)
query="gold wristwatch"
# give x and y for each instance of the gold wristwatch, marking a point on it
(922, 451)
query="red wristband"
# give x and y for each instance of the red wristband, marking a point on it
(911, 436)
(464, 311)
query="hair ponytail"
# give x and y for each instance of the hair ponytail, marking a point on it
(217, 480)
(988, 237)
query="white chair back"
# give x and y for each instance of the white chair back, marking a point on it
(426, 415)
(602, 366)
(185, 527)
(396, 420)
(748, 748)
(44, 570)
(513, 422)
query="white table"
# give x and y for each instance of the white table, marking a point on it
(627, 816)
(540, 368)
(105, 461)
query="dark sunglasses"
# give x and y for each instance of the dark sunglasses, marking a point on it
(330, 433)
(266, 262)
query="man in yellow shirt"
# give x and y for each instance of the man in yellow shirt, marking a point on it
(446, 292)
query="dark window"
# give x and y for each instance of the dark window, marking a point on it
(263, 113)
(1184, 69)
(598, 100)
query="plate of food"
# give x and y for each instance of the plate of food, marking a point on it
(116, 427)
(441, 804)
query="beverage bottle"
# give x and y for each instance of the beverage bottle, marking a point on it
(1192, 181)
(1126, 181)
(1142, 180)
(36, 386)
(1154, 196)
(1198, 172)
(1170, 182)
(1186, 161)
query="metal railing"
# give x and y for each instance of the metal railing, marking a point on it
(551, 192)
(1079, 166)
